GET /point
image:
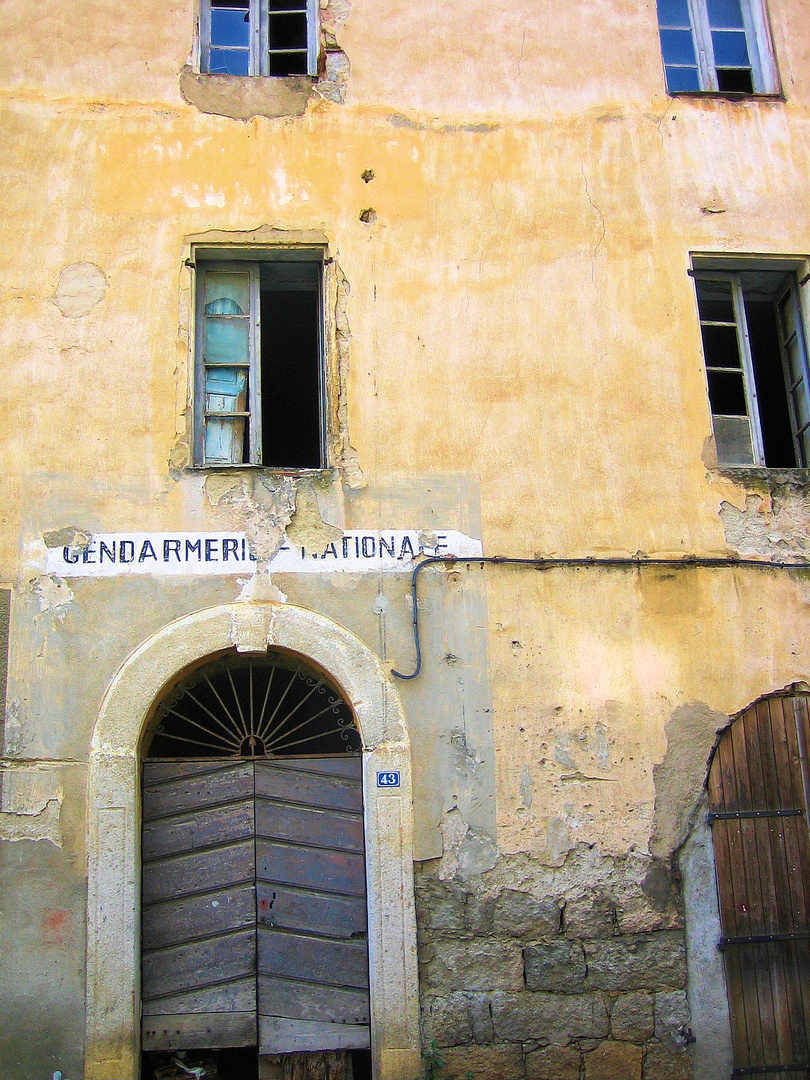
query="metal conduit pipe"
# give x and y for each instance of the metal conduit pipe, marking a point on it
(620, 562)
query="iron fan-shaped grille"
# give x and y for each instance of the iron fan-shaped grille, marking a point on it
(250, 707)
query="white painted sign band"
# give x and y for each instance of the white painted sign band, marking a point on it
(173, 554)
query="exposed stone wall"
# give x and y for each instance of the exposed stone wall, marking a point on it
(575, 972)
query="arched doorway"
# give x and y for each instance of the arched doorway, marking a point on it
(254, 928)
(114, 823)
(758, 794)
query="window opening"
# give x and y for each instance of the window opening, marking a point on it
(259, 37)
(716, 45)
(756, 367)
(259, 392)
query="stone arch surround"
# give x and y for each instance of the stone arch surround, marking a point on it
(112, 1047)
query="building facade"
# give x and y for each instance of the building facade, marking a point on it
(297, 298)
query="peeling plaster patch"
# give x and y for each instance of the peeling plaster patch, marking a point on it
(558, 840)
(691, 731)
(526, 787)
(465, 759)
(562, 751)
(466, 853)
(70, 537)
(307, 528)
(54, 595)
(80, 287)
(30, 805)
(261, 506)
(400, 120)
(774, 524)
(346, 453)
(260, 589)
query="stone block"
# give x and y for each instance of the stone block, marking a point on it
(473, 965)
(439, 908)
(590, 917)
(663, 1064)
(520, 914)
(553, 1063)
(614, 1061)
(481, 1018)
(482, 1063)
(637, 961)
(631, 1018)
(557, 967)
(672, 1019)
(480, 913)
(550, 1018)
(447, 1020)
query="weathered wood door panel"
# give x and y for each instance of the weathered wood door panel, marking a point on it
(757, 784)
(198, 974)
(310, 867)
(254, 905)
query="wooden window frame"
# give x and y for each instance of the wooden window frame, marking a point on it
(259, 53)
(250, 262)
(786, 292)
(764, 71)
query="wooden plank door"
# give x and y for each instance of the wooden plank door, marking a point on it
(311, 898)
(757, 784)
(198, 967)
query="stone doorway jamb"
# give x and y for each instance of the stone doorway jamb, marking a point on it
(112, 1046)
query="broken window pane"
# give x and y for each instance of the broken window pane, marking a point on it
(225, 392)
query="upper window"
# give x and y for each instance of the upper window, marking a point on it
(756, 366)
(259, 37)
(716, 45)
(259, 390)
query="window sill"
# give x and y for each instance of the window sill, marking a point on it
(242, 96)
(725, 95)
(758, 477)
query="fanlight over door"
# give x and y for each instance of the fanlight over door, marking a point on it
(758, 783)
(254, 901)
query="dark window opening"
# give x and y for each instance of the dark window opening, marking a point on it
(290, 358)
(774, 415)
(735, 80)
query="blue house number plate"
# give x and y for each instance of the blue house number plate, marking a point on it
(388, 779)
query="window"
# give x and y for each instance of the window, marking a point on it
(259, 385)
(756, 365)
(259, 37)
(717, 45)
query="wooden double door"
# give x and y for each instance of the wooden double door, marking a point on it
(254, 905)
(758, 784)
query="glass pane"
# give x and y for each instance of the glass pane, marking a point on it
(788, 316)
(720, 347)
(682, 79)
(288, 31)
(288, 63)
(230, 27)
(730, 49)
(288, 5)
(229, 62)
(733, 440)
(677, 47)
(795, 366)
(724, 14)
(801, 406)
(227, 294)
(225, 389)
(714, 301)
(726, 393)
(673, 13)
(226, 341)
(225, 441)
